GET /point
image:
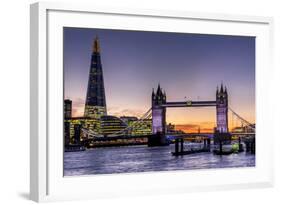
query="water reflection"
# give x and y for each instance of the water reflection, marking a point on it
(144, 159)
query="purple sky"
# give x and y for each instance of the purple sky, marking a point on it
(190, 65)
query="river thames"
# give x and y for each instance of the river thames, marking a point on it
(131, 159)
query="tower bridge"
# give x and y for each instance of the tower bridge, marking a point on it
(160, 104)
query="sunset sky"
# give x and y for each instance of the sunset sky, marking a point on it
(188, 67)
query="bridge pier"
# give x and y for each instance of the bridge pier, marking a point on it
(220, 139)
(247, 146)
(181, 143)
(253, 150)
(158, 139)
(179, 146)
(176, 146)
(250, 145)
(241, 149)
(207, 143)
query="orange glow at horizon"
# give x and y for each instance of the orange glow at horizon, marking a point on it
(186, 119)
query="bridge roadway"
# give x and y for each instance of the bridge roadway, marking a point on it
(190, 104)
(178, 136)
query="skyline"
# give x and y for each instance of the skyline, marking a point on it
(185, 65)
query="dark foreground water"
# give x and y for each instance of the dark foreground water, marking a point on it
(143, 159)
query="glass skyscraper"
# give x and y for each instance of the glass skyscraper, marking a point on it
(95, 105)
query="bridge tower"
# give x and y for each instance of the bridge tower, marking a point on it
(222, 110)
(158, 112)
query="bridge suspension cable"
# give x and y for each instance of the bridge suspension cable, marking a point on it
(252, 126)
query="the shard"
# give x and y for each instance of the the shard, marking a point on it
(95, 105)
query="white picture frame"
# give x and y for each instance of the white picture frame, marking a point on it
(46, 177)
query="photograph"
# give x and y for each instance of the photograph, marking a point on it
(148, 101)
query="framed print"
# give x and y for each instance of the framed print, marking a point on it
(127, 102)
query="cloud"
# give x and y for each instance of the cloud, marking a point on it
(77, 112)
(78, 102)
(116, 111)
(78, 105)
(112, 109)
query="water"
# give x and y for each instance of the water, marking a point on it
(145, 159)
